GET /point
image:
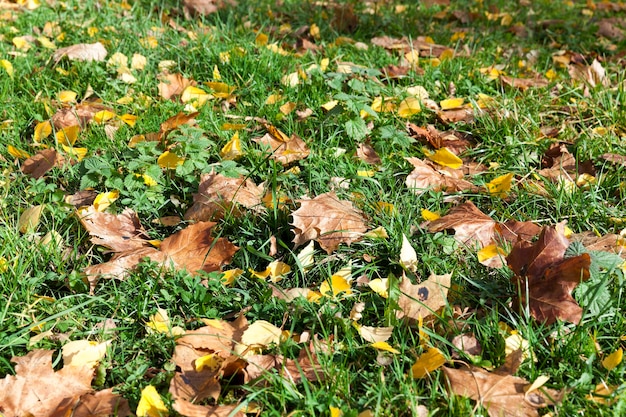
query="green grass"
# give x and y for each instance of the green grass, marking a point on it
(43, 284)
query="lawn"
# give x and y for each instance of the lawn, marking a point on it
(373, 208)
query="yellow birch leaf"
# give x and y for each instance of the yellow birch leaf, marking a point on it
(430, 216)
(151, 404)
(516, 342)
(8, 67)
(103, 116)
(324, 64)
(276, 270)
(129, 119)
(78, 153)
(500, 186)
(160, 323)
(365, 173)
(611, 361)
(444, 157)
(67, 96)
(17, 153)
(335, 286)
(384, 346)
(104, 200)
(305, 257)
(489, 252)
(380, 286)
(602, 394)
(220, 89)
(377, 233)
(412, 57)
(451, 103)
(384, 207)
(551, 74)
(231, 275)
(291, 79)
(273, 99)
(68, 135)
(29, 220)
(447, 54)
(169, 160)
(314, 31)
(216, 73)
(212, 362)
(429, 361)
(21, 43)
(42, 131)
(409, 107)
(232, 150)
(408, 256)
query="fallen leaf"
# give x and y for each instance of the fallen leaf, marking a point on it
(29, 219)
(408, 107)
(82, 52)
(426, 177)
(84, 353)
(524, 83)
(375, 334)
(408, 256)
(151, 404)
(469, 223)
(335, 286)
(327, 220)
(500, 186)
(172, 85)
(429, 361)
(384, 346)
(284, 150)
(276, 270)
(366, 153)
(444, 157)
(118, 232)
(261, 333)
(43, 161)
(418, 301)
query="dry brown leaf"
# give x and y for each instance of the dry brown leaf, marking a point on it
(82, 52)
(594, 74)
(456, 115)
(366, 153)
(614, 158)
(607, 243)
(524, 83)
(81, 198)
(43, 161)
(284, 151)
(79, 115)
(38, 390)
(121, 263)
(216, 193)
(101, 403)
(204, 7)
(118, 232)
(456, 142)
(424, 299)
(466, 343)
(426, 177)
(175, 122)
(329, 221)
(501, 395)
(188, 409)
(612, 28)
(172, 85)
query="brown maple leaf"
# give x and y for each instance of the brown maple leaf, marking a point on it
(547, 277)
(329, 221)
(172, 85)
(216, 193)
(425, 176)
(501, 394)
(423, 299)
(118, 232)
(284, 150)
(204, 7)
(38, 390)
(561, 166)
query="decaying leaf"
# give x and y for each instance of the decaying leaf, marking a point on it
(421, 300)
(329, 221)
(204, 7)
(366, 153)
(284, 150)
(172, 85)
(523, 83)
(82, 52)
(118, 232)
(425, 176)
(216, 193)
(43, 161)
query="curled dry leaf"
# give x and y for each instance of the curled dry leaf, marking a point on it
(78, 115)
(118, 232)
(172, 85)
(366, 153)
(82, 52)
(524, 83)
(284, 150)
(43, 161)
(329, 221)
(424, 299)
(216, 193)
(426, 177)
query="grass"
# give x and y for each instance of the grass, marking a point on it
(42, 285)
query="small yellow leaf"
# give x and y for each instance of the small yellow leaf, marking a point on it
(67, 96)
(365, 173)
(305, 257)
(430, 216)
(273, 99)
(104, 200)
(276, 270)
(151, 404)
(314, 31)
(78, 153)
(335, 412)
(212, 362)
(516, 342)
(287, 108)
(68, 135)
(79, 353)
(409, 107)
(602, 394)
(380, 286)
(551, 74)
(129, 119)
(611, 361)
(169, 160)
(384, 346)
(232, 126)
(384, 207)
(149, 181)
(232, 150)
(489, 252)
(451, 103)
(447, 54)
(231, 275)
(500, 186)
(103, 116)
(8, 67)
(262, 333)
(160, 323)
(29, 220)
(429, 361)
(261, 39)
(20, 42)
(220, 89)
(198, 96)
(291, 79)
(408, 256)
(328, 106)
(444, 157)
(412, 57)
(335, 286)
(17, 153)
(138, 62)
(377, 233)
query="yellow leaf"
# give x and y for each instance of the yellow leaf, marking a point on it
(602, 394)
(169, 160)
(17, 153)
(335, 412)
(220, 89)
(328, 106)
(273, 99)
(129, 119)
(29, 220)
(8, 67)
(233, 126)
(149, 181)
(408, 256)
(276, 270)
(287, 108)
(365, 173)
(160, 323)
(81, 353)
(611, 361)
(429, 361)
(198, 96)
(500, 186)
(151, 404)
(489, 252)
(103, 116)
(104, 200)
(409, 107)
(261, 39)
(377, 233)
(516, 342)
(20, 42)
(68, 135)
(335, 286)
(314, 31)
(212, 362)
(551, 74)
(412, 57)
(384, 207)
(305, 257)
(231, 275)
(138, 62)
(78, 153)
(290, 80)
(447, 54)
(67, 96)
(232, 150)
(430, 216)
(451, 103)
(262, 333)
(384, 346)
(380, 286)
(444, 157)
